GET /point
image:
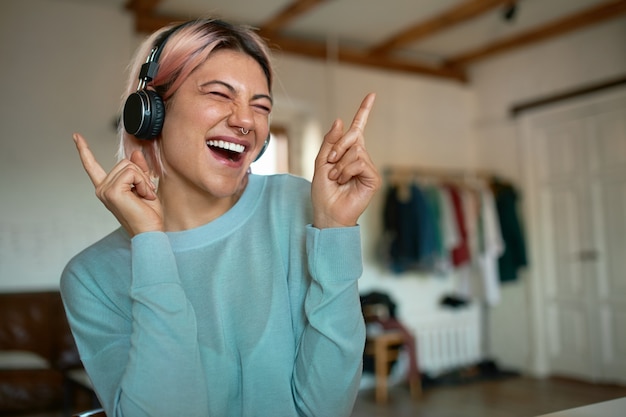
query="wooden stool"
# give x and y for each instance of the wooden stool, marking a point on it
(385, 348)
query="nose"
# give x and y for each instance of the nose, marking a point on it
(241, 116)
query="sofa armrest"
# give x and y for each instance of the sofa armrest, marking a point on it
(21, 359)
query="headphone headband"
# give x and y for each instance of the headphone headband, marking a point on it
(149, 69)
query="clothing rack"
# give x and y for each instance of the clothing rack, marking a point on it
(407, 175)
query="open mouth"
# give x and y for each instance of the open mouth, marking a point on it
(227, 150)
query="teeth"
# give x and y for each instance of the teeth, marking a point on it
(233, 147)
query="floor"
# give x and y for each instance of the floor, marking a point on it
(511, 397)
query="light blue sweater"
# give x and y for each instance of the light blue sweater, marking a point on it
(254, 314)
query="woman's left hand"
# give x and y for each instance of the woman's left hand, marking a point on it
(345, 178)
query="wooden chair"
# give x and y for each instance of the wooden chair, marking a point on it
(384, 347)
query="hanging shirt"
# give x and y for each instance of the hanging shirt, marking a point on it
(514, 256)
(491, 247)
(438, 258)
(401, 225)
(451, 237)
(428, 235)
(461, 252)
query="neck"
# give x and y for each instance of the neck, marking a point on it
(183, 210)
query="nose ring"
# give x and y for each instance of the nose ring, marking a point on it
(244, 131)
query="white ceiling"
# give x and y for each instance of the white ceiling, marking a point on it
(360, 25)
(364, 23)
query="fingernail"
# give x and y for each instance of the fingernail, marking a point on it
(332, 156)
(333, 174)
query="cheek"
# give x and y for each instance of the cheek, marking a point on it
(183, 132)
(190, 117)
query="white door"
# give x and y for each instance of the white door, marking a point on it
(578, 175)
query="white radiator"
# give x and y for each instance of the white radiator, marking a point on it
(448, 339)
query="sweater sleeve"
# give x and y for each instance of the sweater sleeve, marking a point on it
(130, 358)
(330, 352)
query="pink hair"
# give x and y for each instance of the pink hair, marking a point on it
(188, 46)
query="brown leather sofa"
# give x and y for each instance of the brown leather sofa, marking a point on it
(34, 322)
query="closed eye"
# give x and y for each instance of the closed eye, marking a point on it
(219, 94)
(263, 108)
(263, 102)
(217, 88)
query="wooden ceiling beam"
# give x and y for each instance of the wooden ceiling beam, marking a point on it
(451, 17)
(350, 56)
(292, 11)
(144, 6)
(593, 15)
(148, 23)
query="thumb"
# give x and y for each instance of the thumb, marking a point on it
(138, 158)
(146, 187)
(330, 139)
(335, 132)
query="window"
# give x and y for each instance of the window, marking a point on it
(275, 160)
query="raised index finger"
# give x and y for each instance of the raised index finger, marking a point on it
(94, 169)
(360, 118)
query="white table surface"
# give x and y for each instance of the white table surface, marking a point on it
(613, 408)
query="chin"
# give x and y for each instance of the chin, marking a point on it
(229, 187)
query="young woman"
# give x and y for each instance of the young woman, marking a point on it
(223, 293)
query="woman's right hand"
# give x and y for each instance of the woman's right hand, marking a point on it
(126, 191)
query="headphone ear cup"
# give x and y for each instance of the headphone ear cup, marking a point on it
(158, 114)
(144, 113)
(264, 148)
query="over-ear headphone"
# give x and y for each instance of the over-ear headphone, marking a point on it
(144, 110)
(264, 148)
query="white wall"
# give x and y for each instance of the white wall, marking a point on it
(62, 68)
(587, 57)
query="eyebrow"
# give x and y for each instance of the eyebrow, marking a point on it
(234, 91)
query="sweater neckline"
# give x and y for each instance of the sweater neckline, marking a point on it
(225, 224)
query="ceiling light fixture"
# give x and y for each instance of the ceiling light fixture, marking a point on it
(510, 11)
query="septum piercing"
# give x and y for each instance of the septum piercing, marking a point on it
(244, 131)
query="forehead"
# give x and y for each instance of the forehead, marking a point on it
(234, 67)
